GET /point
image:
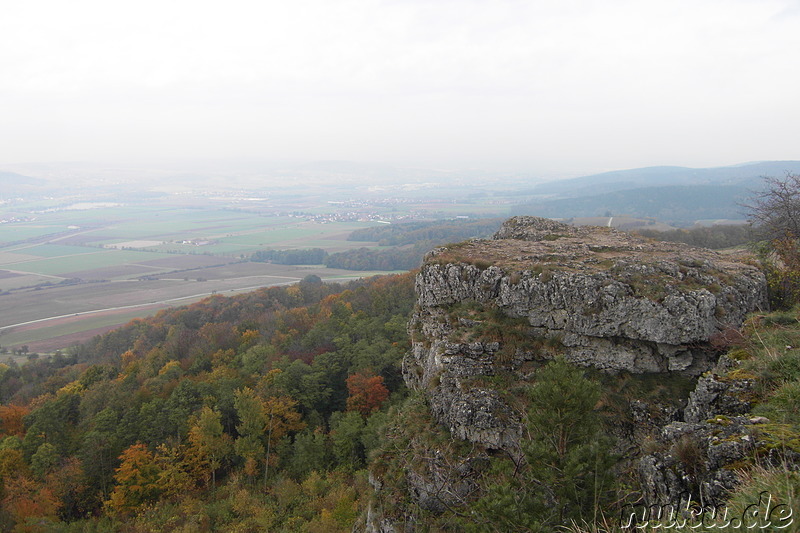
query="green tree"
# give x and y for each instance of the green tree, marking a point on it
(346, 431)
(53, 422)
(44, 460)
(250, 428)
(303, 383)
(566, 471)
(99, 450)
(309, 453)
(568, 451)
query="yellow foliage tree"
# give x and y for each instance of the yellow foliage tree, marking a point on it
(208, 443)
(137, 481)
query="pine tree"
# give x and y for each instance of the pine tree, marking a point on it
(568, 453)
(566, 471)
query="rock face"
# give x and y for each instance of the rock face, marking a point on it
(617, 302)
(601, 297)
(695, 458)
(490, 312)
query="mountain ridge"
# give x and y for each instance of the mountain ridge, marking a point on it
(665, 175)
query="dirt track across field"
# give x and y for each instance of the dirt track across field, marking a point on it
(60, 342)
(58, 332)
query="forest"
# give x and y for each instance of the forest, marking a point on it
(254, 413)
(311, 256)
(713, 237)
(416, 232)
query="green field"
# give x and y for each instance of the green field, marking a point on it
(57, 250)
(20, 231)
(65, 264)
(226, 233)
(162, 264)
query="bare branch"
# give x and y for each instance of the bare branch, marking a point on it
(775, 211)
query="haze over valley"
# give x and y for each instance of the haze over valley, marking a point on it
(86, 248)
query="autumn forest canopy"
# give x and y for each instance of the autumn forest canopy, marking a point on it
(200, 409)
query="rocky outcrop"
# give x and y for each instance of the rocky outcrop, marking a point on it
(697, 458)
(700, 457)
(697, 462)
(617, 302)
(490, 312)
(722, 391)
(605, 298)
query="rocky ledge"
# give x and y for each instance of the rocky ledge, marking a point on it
(615, 301)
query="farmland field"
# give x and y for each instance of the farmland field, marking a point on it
(60, 282)
(56, 250)
(18, 231)
(65, 264)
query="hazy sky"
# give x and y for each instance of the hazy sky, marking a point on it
(551, 86)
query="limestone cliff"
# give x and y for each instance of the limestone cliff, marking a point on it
(606, 299)
(490, 312)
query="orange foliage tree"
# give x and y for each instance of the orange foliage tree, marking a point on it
(25, 498)
(137, 480)
(367, 393)
(11, 419)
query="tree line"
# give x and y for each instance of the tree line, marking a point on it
(408, 242)
(714, 237)
(442, 231)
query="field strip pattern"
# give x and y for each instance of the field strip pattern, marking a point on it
(162, 302)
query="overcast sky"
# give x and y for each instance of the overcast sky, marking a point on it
(567, 86)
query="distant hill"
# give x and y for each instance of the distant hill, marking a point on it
(675, 195)
(13, 184)
(676, 205)
(747, 174)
